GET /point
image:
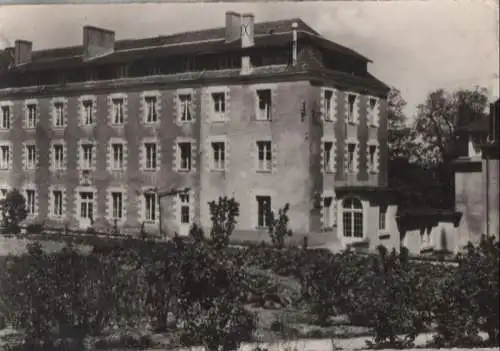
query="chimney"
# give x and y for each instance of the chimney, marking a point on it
(247, 30)
(295, 25)
(22, 52)
(97, 42)
(233, 26)
(247, 40)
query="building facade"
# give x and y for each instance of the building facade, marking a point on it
(268, 113)
(477, 177)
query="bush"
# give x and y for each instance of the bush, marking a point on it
(14, 211)
(224, 214)
(469, 303)
(278, 229)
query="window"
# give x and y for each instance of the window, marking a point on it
(117, 111)
(352, 218)
(151, 110)
(151, 156)
(382, 224)
(87, 205)
(4, 156)
(372, 154)
(328, 156)
(58, 156)
(185, 107)
(184, 149)
(88, 112)
(150, 206)
(117, 205)
(219, 106)
(5, 123)
(328, 214)
(218, 156)
(328, 105)
(57, 203)
(372, 111)
(87, 155)
(58, 114)
(263, 211)
(264, 155)
(351, 101)
(31, 116)
(351, 149)
(117, 156)
(30, 202)
(264, 105)
(185, 209)
(30, 156)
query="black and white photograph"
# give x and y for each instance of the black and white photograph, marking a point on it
(253, 176)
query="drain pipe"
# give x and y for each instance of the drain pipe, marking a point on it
(295, 25)
(487, 196)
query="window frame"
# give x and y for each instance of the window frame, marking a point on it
(328, 105)
(31, 117)
(221, 164)
(55, 213)
(150, 164)
(88, 118)
(117, 165)
(351, 116)
(153, 212)
(87, 159)
(264, 165)
(180, 158)
(120, 209)
(264, 114)
(30, 149)
(151, 113)
(5, 162)
(6, 116)
(351, 213)
(263, 217)
(31, 208)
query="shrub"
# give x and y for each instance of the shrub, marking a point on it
(13, 211)
(278, 228)
(469, 303)
(390, 298)
(211, 297)
(224, 214)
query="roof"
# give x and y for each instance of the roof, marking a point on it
(267, 34)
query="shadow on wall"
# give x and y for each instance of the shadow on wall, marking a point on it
(429, 231)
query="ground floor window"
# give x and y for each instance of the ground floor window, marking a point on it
(352, 218)
(87, 205)
(150, 204)
(263, 211)
(185, 209)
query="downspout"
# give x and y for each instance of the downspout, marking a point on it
(295, 25)
(487, 197)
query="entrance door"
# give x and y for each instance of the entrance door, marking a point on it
(86, 209)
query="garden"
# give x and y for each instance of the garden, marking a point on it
(137, 293)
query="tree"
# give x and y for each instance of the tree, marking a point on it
(13, 211)
(399, 134)
(437, 120)
(434, 132)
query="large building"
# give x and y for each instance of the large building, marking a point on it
(268, 113)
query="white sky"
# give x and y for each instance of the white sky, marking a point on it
(417, 46)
